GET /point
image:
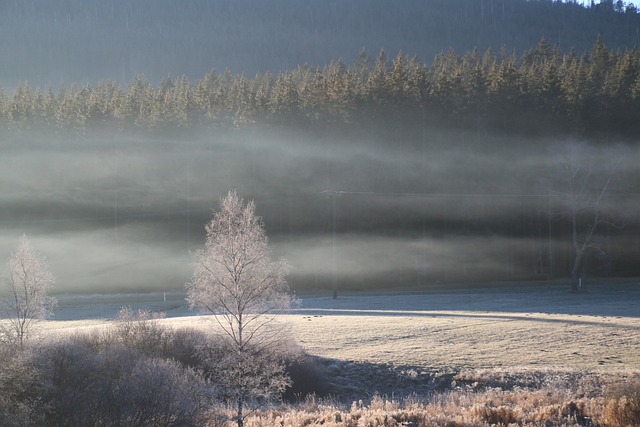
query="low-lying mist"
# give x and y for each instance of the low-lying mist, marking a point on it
(122, 213)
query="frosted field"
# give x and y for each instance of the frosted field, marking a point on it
(527, 328)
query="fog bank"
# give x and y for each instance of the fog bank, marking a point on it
(121, 213)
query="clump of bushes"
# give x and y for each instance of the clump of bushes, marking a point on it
(622, 405)
(20, 388)
(308, 377)
(117, 386)
(137, 371)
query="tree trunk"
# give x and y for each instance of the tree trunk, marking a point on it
(576, 270)
(240, 417)
(240, 344)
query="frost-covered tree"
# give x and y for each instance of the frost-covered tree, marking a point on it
(236, 281)
(27, 283)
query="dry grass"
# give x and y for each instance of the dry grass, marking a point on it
(457, 339)
(543, 407)
(476, 340)
(459, 368)
(622, 406)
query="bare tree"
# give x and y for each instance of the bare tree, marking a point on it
(235, 279)
(28, 281)
(581, 182)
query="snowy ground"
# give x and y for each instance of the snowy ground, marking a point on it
(106, 306)
(523, 328)
(604, 300)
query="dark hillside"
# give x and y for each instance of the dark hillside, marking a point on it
(76, 41)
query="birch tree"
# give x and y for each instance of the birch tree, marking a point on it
(235, 280)
(27, 281)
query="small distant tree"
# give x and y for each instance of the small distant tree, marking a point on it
(235, 280)
(581, 183)
(27, 283)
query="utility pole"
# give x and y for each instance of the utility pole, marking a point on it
(334, 280)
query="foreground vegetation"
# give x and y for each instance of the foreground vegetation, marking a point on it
(559, 403)
(133, 372)
(138, 372)
(141, 369)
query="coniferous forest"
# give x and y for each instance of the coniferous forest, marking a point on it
(540, 91)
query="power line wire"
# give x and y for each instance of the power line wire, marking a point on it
(464, 195)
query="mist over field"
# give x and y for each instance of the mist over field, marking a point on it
(382, 201)
(123, 213)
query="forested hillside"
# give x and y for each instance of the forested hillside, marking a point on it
(84, 41)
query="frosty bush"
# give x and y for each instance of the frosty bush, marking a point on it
(142, 331)
(117, 386)
(20, 389)
(161, 392)
(307, 376)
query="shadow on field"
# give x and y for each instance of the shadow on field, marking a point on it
(359, 383)
(350, 381)
(346, 381)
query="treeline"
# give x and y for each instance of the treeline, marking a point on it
(540, 91)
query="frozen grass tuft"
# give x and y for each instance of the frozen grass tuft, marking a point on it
(563, 399)
(622, 405)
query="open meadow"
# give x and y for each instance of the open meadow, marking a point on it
(516, 328)
(530, 355)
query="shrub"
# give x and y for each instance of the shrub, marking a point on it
(117, 386)
(185, 347)
(20, 388)
(142, 331)
(160, 392)
(622, 405)
(80, 381)
(307, 376)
